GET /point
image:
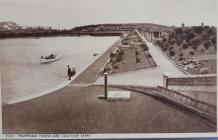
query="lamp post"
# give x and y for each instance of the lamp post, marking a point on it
(105, 85)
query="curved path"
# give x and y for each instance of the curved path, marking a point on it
(78, 110)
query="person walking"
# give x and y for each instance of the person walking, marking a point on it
(69, 72)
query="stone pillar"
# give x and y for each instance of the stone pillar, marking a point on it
(165, 80)
(105, 84)
(151, 36)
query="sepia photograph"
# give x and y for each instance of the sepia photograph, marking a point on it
(108, 67)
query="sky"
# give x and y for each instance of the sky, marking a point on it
(70, 13)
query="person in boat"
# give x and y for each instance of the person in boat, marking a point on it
(52, 56)
(69, 72)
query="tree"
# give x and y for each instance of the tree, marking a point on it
(171, 48)
(194, 47)
(198, 29)
(183, 25)
(181, 58)
(213, 40)
(179, 31)
(184, 46)
(172, 53)
(189, 36)
(191, 52)
(119, 58)
(181, 54)
(207, 44)
(196, 41)
(145, 48)
(164, 48)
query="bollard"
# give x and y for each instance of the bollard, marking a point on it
(165, 80)
(105, 84)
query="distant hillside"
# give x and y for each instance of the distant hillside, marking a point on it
(4, 26)
(118, 27)
(10, 29)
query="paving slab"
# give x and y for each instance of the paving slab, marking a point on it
(119, 95)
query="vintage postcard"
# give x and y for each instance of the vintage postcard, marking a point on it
(108, 68)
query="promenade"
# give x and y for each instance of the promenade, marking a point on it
(77, 109)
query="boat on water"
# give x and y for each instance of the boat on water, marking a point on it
(95, 54)
(49, 59)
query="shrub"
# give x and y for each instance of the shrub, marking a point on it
(210, 31)
(164, 40)
(159, 43)
(213, 40)
(121, 52)
(194, 47)
(112, 54)
(178, 43)
(191, 52)
(149, 55)
(164, 48)
(181, 54)
(179, 31)
(184, 46)
(172, 53)
(196, 41)
(171, 48)
(181, 58)
(205, 36)
(137, 60)
(145, 48)
(207, 44)
(198, 29)
(189, 36)
(115, 66)
(119, 58)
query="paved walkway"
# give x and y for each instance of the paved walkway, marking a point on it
(78, 110)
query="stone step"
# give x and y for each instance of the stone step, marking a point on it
(119, 95)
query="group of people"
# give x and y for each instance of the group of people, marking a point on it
(70, 72)
(51, 56)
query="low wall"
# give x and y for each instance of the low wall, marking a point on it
(200, 80)
(203, 109)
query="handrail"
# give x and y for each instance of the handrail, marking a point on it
(195, 102)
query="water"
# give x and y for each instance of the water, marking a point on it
(21, 71)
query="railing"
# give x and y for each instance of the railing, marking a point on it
(201, 107)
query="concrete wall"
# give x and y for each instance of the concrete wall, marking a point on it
(201, 80)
